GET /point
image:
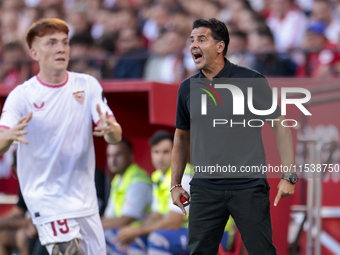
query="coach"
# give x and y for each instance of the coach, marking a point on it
(246, 198)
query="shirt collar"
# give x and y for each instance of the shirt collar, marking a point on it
(224, 73)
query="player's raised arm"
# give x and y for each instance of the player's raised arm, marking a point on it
(7, 137)
(108, 127)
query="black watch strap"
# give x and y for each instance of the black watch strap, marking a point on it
(291, 177)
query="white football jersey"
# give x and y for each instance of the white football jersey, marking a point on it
(56, 169)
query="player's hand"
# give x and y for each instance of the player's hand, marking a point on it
(16, 132)
(284, 189)
(31, 231)
(176, 195)
(106, 124)
(127, 235)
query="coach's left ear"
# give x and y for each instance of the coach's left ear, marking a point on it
(221, 46)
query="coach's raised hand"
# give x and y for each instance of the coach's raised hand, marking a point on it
(108, 127)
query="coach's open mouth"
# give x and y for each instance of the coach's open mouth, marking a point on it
(197, 56)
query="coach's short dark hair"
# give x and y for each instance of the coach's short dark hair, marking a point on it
(218, 29)
(159, 136)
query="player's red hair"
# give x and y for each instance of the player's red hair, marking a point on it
(45, 27)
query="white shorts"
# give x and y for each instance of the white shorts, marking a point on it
(88, 230)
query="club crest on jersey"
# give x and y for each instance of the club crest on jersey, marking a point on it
(79, 96)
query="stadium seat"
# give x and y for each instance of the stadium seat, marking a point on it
(236, 247)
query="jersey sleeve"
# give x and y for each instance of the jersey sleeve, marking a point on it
(12, 110)
(182, 112)
(97, 97)
(137, 199)
(185, 184)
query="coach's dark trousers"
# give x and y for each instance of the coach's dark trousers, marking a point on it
(209, 213)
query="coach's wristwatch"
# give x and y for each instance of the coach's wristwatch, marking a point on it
(291, 177)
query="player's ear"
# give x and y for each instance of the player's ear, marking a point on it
(34, 54)
(220, 46)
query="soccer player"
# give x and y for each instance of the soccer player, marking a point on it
(56, 160)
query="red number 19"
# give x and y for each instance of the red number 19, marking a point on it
(62, 230)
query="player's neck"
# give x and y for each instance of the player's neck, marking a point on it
(52, 78)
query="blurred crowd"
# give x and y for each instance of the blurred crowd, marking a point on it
(149, 39)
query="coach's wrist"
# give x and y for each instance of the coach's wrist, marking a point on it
(175, 186)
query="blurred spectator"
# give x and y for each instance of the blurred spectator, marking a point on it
(305, 5)
(237, 49)
(266, 60)
(322, 11)
(126, 18)
(248, 21)
(9, 26)
(77, 23)
(132, 54)
(82, 59)
(12, 5)
(92, 10)
(26, 18)
(265, 10)
(238, 42)
(13, 69)
(7, 162)
(208, 9)
(318, 50)
(18, 232)
(182, 22)
(287, 23)
(315, 39)
(45, 3)
(53, 11)
(159, 19)
(237, 6)
(166, 61)
(329, 63)
(15, 19)
(81, 46)
(106, 29)
(99, 24)
(131, 191)
(104, 19)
